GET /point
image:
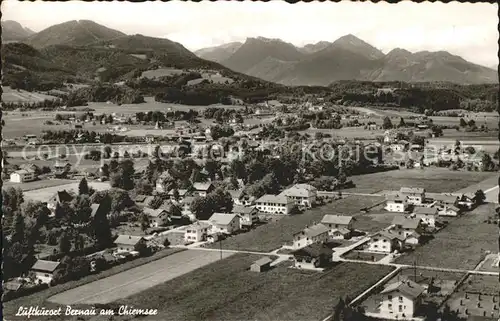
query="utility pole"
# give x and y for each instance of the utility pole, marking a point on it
(415, 271)
(220, 247)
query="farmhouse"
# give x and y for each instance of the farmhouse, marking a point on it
(414, 195)
(426, 214)
(396, 203)
(386, 242)
(313, 256)
(338, 222)
(274, 204)
(248, 214)
(129, 243)
(401, 299)
(202, 189)
(23, 175)
(261, 265)
(44, 270)
(157, 217)
(197, 232)
(301, 194)
(317, 233)
(224, 223)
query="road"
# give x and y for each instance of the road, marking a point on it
(138, 279)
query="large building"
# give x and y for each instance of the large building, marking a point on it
(400, 300)
(274, 204)
(249, 215)
(414, 195)
(44, 270)
(396, 203)
(22, 176)
(224, 223)
(317, 233)
(301, 194)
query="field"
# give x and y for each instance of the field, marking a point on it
(479, 295)
(363, 256)
(375, 222)
(137, 279)
(44, 194)
(22, 96)
(468, 236)
(161, 72)
(35, 185)
(436, 180)
(40, 298)
(227, 290)
(273, 235)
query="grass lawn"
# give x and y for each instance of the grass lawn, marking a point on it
(460, 245)
(23, 96)
(436, 180)
(274, 234)
(40, 298)
(363, 256)
(29, 186)
(43, 194)
(227, 290)
(161, 72)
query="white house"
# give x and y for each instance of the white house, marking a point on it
(23, 175)
(396, 203)
(274, 204)
(447, 210)
(249, 215)
(202, 189)
(428, 215)
(406, 226)
(157, 217)
(301, 194)
(224, 223)
(317, 233)
(240, 198)
(386, 242)
(401, 299)
(197, 232)
(44, 270)
(414, 195)
(336, 223)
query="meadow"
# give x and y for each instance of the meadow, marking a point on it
(22, 96)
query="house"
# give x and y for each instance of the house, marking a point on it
(186, 204)
(301, 194)
(197, 232)
(396, 203)
(448, 210)
(163, 181)
(406, 225)
(446, 199)
(44, 270)
(181, 193)
(214, 237)
(224, 223)
(23, 175)
(157, 217)
(339, 234)
(61, 168)
(467, 200)
(337, 222)
(249, 215)
(129, 243)
(317, 233)
(202, 189)
(401, 299)
(428, 215)
(274, 204)
(414, 195)
(313, 256)
(386, 242)
(149, 138)
(240, 198)
(58, 198)
(96, 208)
(413, 239)
(261, 265)
(13, 285)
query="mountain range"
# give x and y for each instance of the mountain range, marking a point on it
(79, 48)
(347, 58)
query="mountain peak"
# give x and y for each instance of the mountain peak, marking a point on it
(352, 43)
(13, 30)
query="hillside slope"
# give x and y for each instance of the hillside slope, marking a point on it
(14, 31)
(73, 33)
(218, 53)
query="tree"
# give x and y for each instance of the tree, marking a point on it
(144, 221)
(83, 187)
(342, 178)
(463, 123)
(100, 224)
(480, 196)
(402, 122)
(82, 210)
(470, 150)
(17, 229)
(471, 123)
(202, 208)
(387, 124)
(65, 243)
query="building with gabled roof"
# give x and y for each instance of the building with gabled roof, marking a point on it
(338, 221)
(44, 270)
(197, 231)
(274, 204)
(261, 265)
(22, 176)
(224, 223)
(157, 217)
(428, 215)
(301, 194)
(400, 300)
(249, 215)
(58, 198)
(414, 195)
(313, 256)
(202, 189)
(129, 243)
(386, 242)
(317, 233)
(406, 225)
(396, 203)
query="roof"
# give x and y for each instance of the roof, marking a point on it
(262, 261)
(296, 192)
(128, 239)
(61, 196)
(95, 207)
(315, 230)
(407, 287)
(395, 197)
(202, 186)
(270, 198)
(182, 192)
(453, 208)
(154, 212)
(239, 209)
(306, 187)
(341, 230)
(425, 210)
(12, 285)
(23, 171)
(447, 199)
(406, 222)
(412, 190)
(337, 219)
(390, 235)
(199, 225)
(221, 218)
(43, 265)
(140, 198)
(313, 250)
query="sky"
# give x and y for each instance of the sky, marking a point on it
(465, 29)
